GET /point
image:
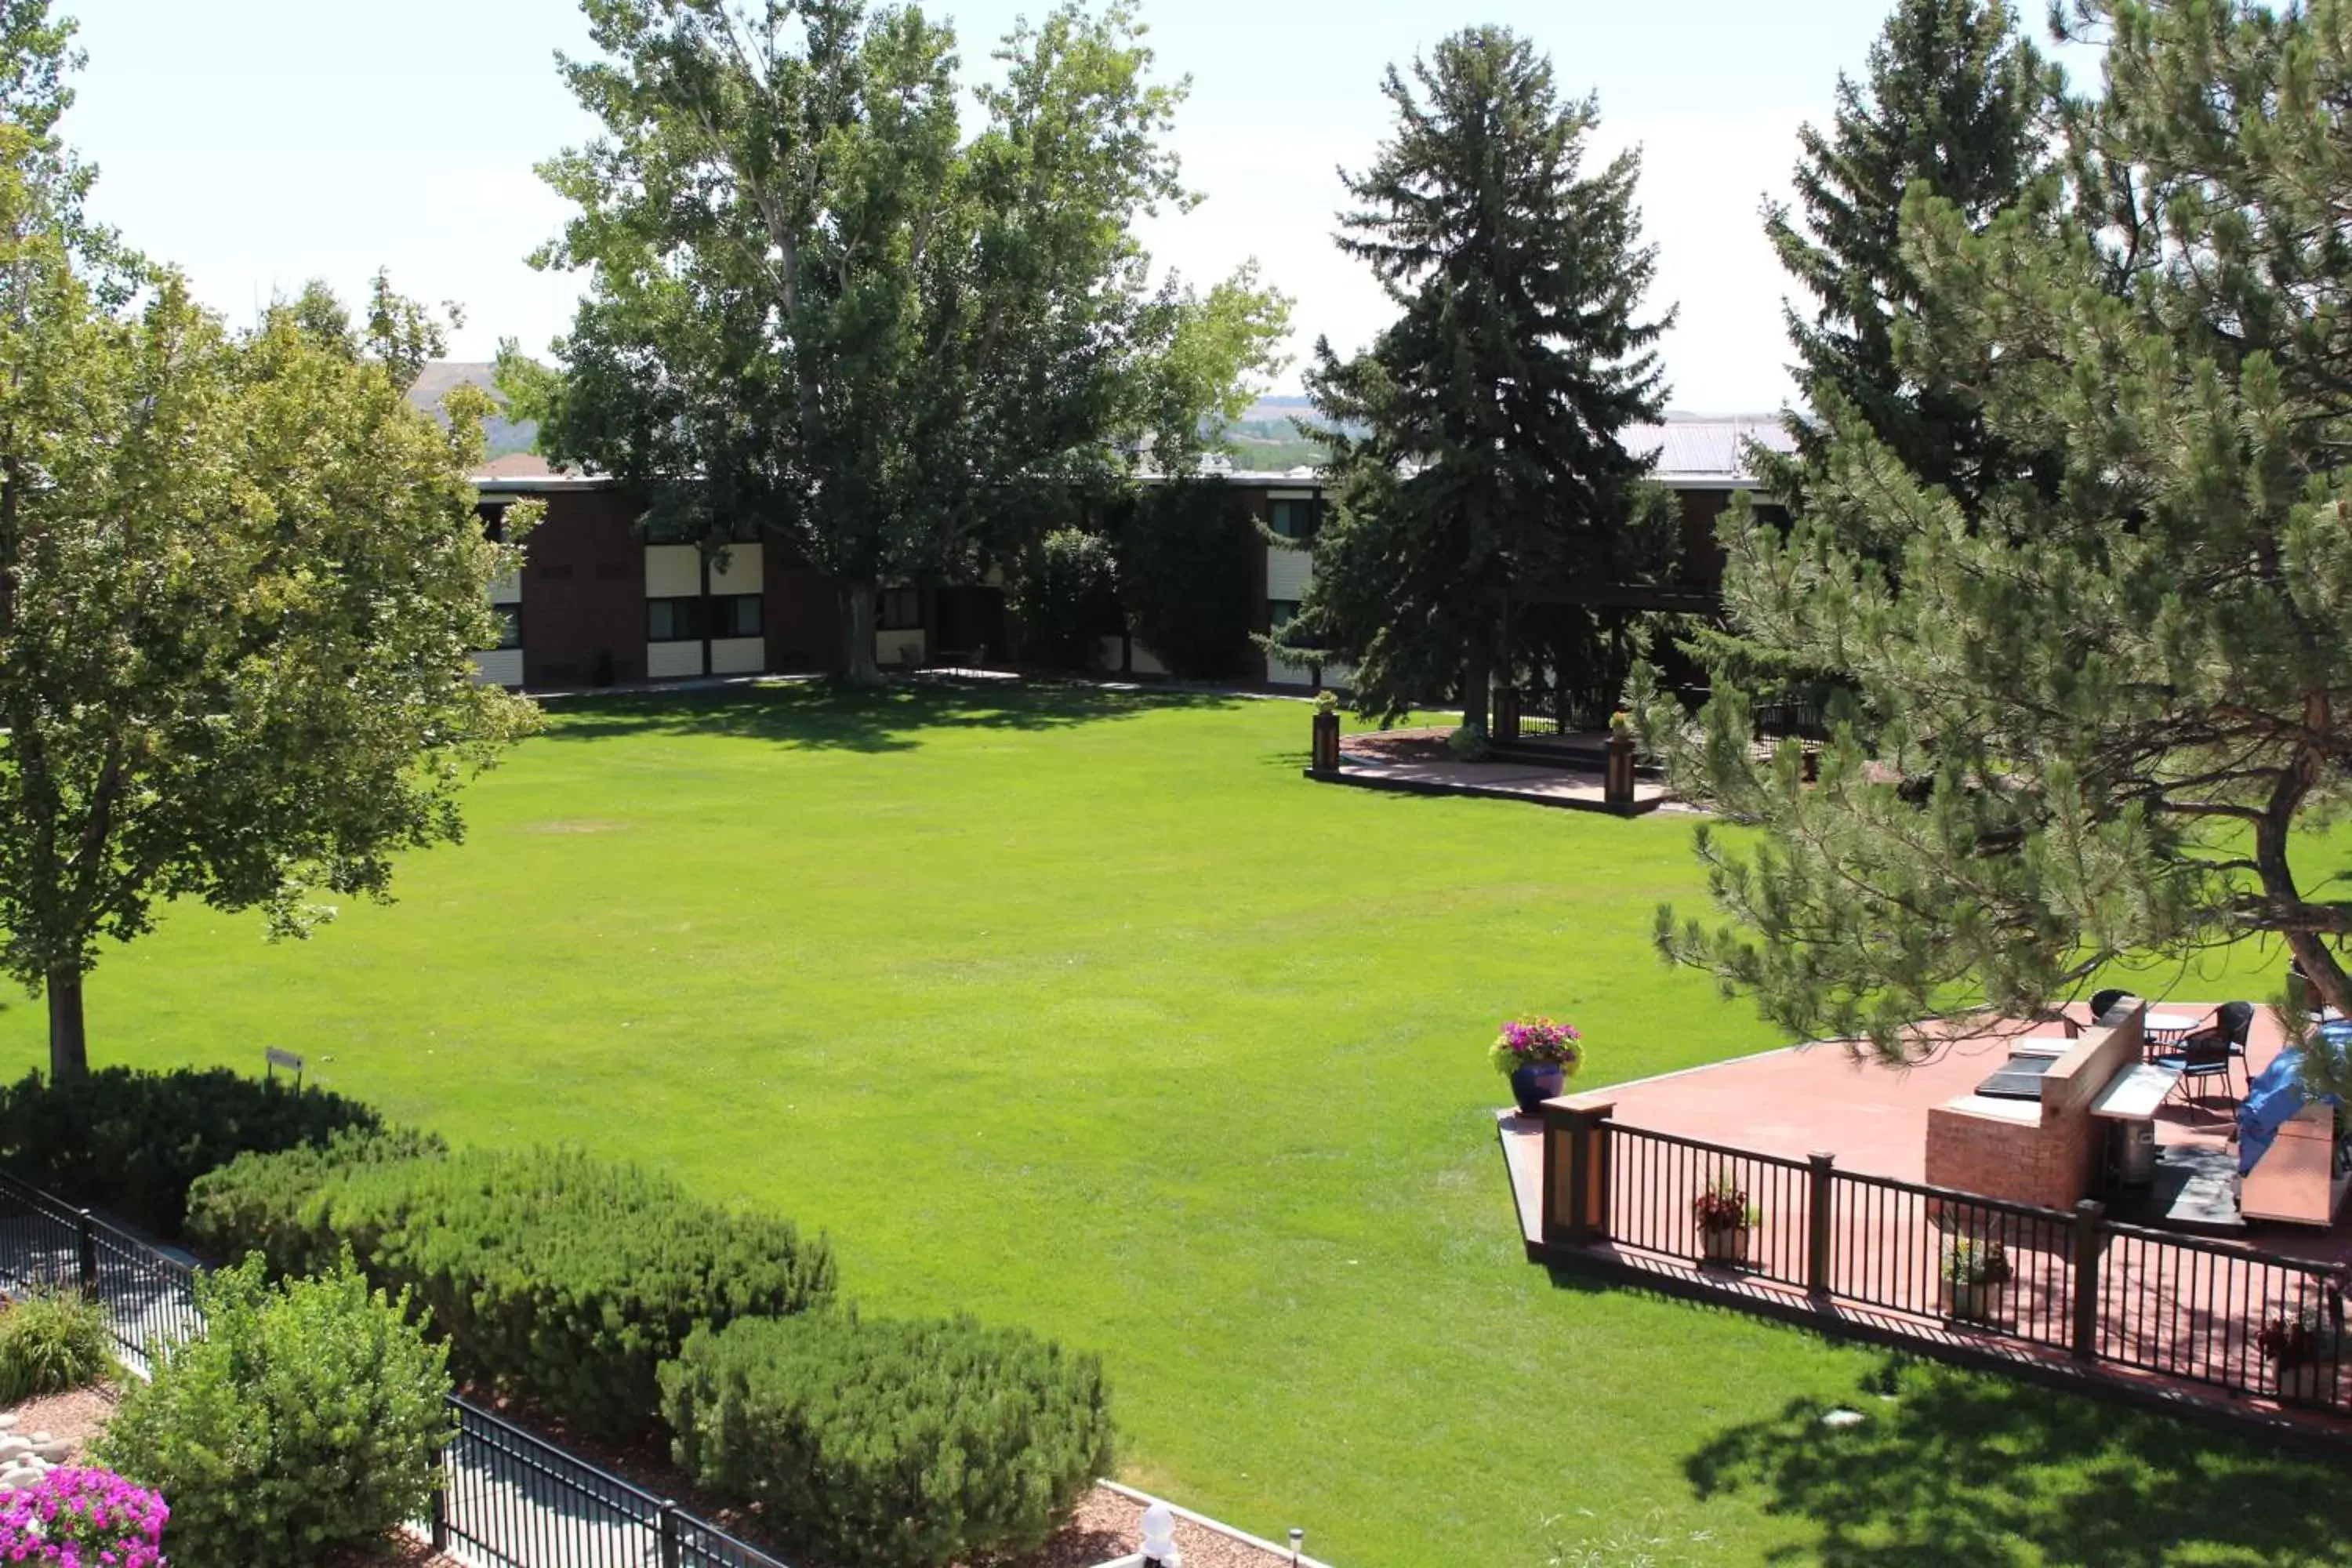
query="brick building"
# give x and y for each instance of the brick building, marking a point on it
(597, 605)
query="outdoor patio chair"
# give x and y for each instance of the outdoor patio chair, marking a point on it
(2102, 1000)
(2200, 1058)
(2236, 1020)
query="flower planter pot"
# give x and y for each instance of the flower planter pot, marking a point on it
(1532, 1086)
(2311, 1383)
(1724, 1245)
(1971, 1303)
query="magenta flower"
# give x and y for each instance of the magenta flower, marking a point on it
(1537, 1042)
(83, 1518)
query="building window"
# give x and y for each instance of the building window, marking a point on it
(735, 616)
(509, 625)
(674, 620)
(898, 610)
(1292, 519)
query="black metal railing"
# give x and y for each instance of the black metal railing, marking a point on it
(515, 1500)
(508, 1497)
(147, 1294)
(1932, 1258)
(2196, 1310)
(1658, 1179)
(1931, 1252)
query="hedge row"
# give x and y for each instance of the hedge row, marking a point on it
(903, 1445)
(552, 1274)
(134, 1142)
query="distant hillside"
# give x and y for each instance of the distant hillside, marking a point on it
(445, 376)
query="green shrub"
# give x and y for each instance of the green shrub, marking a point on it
(901, 1445)
(258, 1202)
(556, 1276)
(304, 1421)
(51, 1341)
(133, 1142)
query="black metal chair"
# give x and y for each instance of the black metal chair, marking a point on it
(2236, 1021)
(2103, 1001)
(2201, 1058)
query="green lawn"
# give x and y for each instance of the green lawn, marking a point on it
(1088, 1012)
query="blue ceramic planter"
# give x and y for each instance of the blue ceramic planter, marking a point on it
(1532, 1086)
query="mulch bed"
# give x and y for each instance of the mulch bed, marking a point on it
(1397, 746)
(401, 1551)
(75, 1416)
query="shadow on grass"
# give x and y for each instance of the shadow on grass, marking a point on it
(1950, 1466)
(823, 715)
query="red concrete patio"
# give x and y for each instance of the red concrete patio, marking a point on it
(2189, 1307)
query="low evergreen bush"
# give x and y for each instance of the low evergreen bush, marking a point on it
(258, 1202)
(303, 1422)
(556, 1276)
(893, 1444)
(133, 1143)
(51, 1341)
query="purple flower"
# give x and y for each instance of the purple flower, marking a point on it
(83, 1518)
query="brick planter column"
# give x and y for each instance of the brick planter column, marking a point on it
(1326, 745)
(1576, 1172)
(1617, 786)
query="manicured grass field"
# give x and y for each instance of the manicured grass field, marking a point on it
(1087, 1012)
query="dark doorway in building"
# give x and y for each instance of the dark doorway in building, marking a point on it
(970, 628)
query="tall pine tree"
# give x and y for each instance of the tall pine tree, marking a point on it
(1492, 408)
(1951, 103)
(2100, 723)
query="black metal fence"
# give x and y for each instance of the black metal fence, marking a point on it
(148, 1294)
(509, 1497)
(513, 1500)
(2070, 1281)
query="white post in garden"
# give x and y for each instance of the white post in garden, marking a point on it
(1159, 1537)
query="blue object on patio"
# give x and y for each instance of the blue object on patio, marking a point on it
(2274, 1097)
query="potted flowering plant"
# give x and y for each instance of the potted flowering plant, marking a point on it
(2306, 1350)
(1724, 1217)
(1974, 1271)
(1541, 1055)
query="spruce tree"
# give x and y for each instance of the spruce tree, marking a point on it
(1951, 102)
(1491, 409)
(2100, 723)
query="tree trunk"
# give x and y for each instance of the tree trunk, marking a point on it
(68, 1041)
(858, 666)
(1477, 682)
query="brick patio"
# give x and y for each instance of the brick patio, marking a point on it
(2163, 1305)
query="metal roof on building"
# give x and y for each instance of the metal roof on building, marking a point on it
(1707, 451)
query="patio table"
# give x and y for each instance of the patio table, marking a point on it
(2169, 1029)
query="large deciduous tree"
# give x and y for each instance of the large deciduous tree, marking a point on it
(2100, 722)
(240, 580)
(1951, 102)
(1490, 413)
(819, 310)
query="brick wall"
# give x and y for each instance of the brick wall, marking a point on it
(2053, 1161)
(2025, 1162)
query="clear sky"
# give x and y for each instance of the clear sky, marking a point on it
(258, 143)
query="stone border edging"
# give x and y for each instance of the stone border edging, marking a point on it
(1243, 1536)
